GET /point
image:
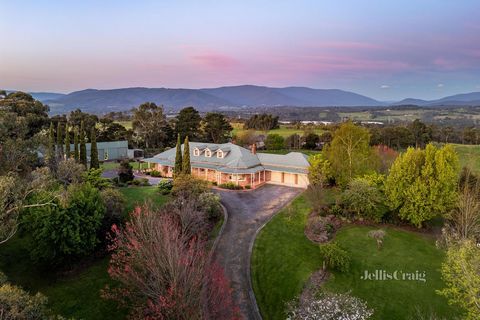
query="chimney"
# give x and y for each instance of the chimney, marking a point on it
(253, 149)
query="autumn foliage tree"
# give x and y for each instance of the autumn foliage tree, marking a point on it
(165, 273)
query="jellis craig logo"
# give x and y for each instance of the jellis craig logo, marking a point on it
(384, 275)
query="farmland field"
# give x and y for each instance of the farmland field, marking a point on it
(284, 131)
(469, 156)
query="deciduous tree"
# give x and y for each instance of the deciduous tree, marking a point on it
(349, 152)
(423, 183)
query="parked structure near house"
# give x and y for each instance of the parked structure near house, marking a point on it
(227, 162)
(111, 150)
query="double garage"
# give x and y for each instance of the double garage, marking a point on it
(286, 178)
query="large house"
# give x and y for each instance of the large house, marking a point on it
(227, 162)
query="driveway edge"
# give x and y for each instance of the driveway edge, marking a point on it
(220, 232)
(251, 293)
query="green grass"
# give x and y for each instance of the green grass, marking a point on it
(137, 196)
(284, 131)
(283, 259)
(76, 295)
(113, 165)
(469, 155)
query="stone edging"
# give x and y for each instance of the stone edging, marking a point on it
(251, 294)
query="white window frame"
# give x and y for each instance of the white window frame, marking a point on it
(220, 154)
(208, 153)
(196, 152)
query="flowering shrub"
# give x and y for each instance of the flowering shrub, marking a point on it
(330, 306)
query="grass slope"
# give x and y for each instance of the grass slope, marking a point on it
(283, 260)
(284, 131)
(469, 155)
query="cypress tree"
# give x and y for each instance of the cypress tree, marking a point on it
(67, 142)
(76, 153)
(94, 164)
(51, 147)
(178, 157)
(186, 157)
(59, 141)
(83, 146)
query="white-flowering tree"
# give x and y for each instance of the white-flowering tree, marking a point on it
(330, 306)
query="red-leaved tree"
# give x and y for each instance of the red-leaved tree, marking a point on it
(166, 273)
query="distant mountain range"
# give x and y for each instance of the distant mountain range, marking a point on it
(102, 101)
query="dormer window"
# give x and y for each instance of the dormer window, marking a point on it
(220, 154)
(196, 152)
(208, 153)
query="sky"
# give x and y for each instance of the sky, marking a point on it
(388, 50)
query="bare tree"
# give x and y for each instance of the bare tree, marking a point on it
(165, 272)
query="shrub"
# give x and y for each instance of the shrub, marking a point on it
(61, 231)
(134, 182)
(210, 202)
(334, 257)
(155, 173)
(363, 199)
(144, 182)
(114, 202)
(125, 172)
(186, 186)
(230, 186)
(165, 186)
(94, 177)
(321, 229)
(15, 303)
(248, 187)
(330, 306)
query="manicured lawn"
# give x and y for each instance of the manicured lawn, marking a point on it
(283, 259)
(137, 196)
(469, 156)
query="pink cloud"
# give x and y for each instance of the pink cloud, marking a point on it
(216, 60)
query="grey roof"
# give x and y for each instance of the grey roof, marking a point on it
(106, 145)
(236, 160)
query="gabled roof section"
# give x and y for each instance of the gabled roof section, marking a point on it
(292, 160)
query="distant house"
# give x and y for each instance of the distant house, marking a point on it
(228, 162)
(111, 150)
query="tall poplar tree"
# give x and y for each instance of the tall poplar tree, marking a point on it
(67, 141)
(59, 141)
(83, 146)
(76, 152)
(186, 168)
(94, 164)
(178, 157)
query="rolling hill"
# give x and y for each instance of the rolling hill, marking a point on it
(100, 101)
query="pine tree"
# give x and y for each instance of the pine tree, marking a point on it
(76, 153)
(51, 160)
(94, 164)
(59, 141)
(186, 169)
(178, 158)
(67, 141)
(83, 147)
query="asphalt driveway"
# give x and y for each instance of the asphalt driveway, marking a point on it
(247, 212)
